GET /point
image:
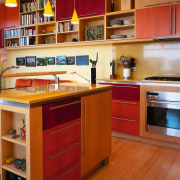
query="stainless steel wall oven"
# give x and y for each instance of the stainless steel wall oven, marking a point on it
(163, 113)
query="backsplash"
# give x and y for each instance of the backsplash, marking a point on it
(156, 58)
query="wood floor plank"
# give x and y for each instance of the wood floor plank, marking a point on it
(132, 160)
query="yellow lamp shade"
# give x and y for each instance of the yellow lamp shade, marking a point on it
(75, 19)
(48, 10)
(11, 3)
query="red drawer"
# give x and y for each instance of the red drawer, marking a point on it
(125, 117)
(125, 126)
(125, 109)
(72, 172)
(61, 159)
(61, 112)
(58, 136)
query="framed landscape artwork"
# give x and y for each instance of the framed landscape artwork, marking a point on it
(70, 60)
(82, 60)
(51, 60)
(60, 60)
(20, 61)
(41, 61)
(30, 61)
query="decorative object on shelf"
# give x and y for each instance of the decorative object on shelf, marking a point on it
(93, 70)
(127, 64)
(10, 160)
(41, 61)
(51, 60)
(94, 32)
(30, 61)
(60, 60)
(70, 60)
(48, 10)
(11, 3)
(112, 5)
(113, 64)
(11, 131)
(75, 19)
(20, 61)
(20, 164)
(23, 130)
(3, 60)
(82, 60)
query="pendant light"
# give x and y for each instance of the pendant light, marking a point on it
(11, 3)
(48, 10)
(75, 19)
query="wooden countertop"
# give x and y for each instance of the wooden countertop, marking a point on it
(37, 94)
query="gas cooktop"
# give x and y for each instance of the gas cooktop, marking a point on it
(162, 78)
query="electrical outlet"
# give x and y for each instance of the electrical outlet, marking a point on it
(133, 68)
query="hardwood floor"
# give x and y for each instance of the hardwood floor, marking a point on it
(132, 160)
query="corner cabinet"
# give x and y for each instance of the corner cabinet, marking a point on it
(95, 130)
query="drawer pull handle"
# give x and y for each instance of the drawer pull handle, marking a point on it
(127, 86)
(69, 170)
(54, 132)
(156, 4)
(131, 120)
(64, 105)
(58, 154)
(123, 102)
(88, 14)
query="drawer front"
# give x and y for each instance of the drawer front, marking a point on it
(125, 92)
(58, 136)
(125, 117)
(61, 159)
(125, 126)
(125, 109)
(72, 172)
(61, 112)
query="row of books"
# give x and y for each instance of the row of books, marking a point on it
(43, 19)
(28, 6)
(67, 26)
(27, 32)
(28, 19)
(11, 33)
(94, 32)
(42, 3)
(26, 41)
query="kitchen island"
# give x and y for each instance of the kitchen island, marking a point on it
(67, 127)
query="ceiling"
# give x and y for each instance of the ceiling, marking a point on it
(2, 1)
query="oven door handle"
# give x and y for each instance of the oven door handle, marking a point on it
(164, 104)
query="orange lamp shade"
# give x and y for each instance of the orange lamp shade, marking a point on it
(48, 10)
(11, 3)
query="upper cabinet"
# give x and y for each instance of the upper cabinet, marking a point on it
(1, 39)
(64, 9)
(90, 8)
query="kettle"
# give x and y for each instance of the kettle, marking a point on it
(126, 63)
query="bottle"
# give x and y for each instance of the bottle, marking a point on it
(112, 5)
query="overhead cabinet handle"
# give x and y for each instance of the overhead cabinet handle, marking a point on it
(174, 19)
(156, 4)
(170, 20)
(64, 105)
(88, 14)
(127, 86)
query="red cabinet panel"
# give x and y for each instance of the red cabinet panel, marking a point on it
(58, 113)
(177, 20)
(125, 117)
(61, 135)
(90, 8)
(59, 160)
(64, 9)
(144, 23)
(126, 92)
(1, 39)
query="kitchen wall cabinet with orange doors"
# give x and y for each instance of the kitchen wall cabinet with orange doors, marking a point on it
(157, 22)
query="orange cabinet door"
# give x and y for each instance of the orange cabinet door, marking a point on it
(163, 21)
(144, 23)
